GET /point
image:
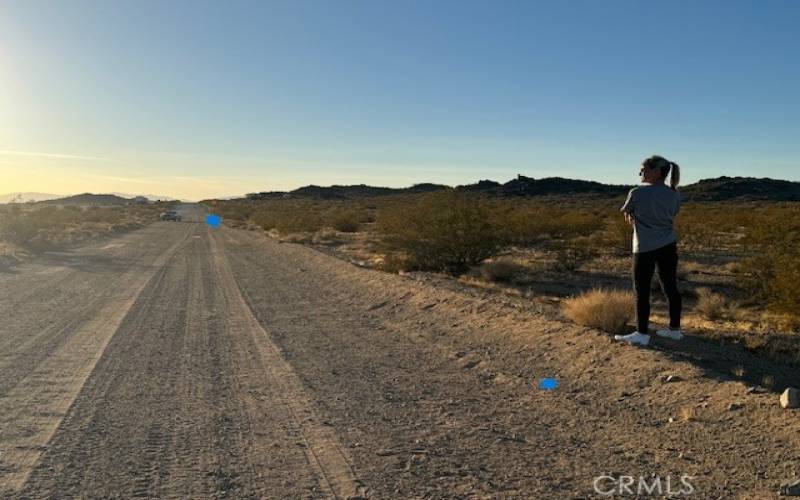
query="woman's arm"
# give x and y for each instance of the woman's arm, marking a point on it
(627, 208)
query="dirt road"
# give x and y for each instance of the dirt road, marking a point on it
(185, 361)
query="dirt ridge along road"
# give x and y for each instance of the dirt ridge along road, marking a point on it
(32, 410)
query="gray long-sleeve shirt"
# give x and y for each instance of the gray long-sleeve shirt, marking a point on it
(654, 207)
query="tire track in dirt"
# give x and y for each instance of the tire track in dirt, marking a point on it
(420, 424)
(57, 319)
(325, 454)
(31, 412)
(45, 278)
(117, 438)
(184, 403)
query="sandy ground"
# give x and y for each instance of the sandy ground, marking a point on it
(183, 361)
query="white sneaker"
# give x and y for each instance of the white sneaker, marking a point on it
(669, 333)
(634, 338)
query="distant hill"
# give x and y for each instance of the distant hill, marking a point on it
(717, 189)
(151, 197)
(742, 188)
(521, 186)
(528, 186)
(336, 192)
(90, 199)
(26, 197)
(81, 199)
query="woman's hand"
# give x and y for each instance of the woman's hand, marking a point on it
(629, 218)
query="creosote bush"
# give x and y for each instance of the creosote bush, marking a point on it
(346, 220)
(442, 231)
(771, 271)
(501, 270)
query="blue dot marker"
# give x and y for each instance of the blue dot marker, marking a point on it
(213, 220)
(548, 384)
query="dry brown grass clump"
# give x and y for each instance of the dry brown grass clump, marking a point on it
(711, 305)
(608, 310)
(393, 263)
(688, 414)
(325, 237)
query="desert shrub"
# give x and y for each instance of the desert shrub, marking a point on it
(37, 227)
(289, 216)
(501, 270)
(32, 227)
(298, 220)
(784, 290)
(234, 210)
(608, 310)
(771, 272)
(13, 227)
(570, 256)
(107, 215)
(527, 222)
(714, 225)
(710, 304)
(264, 218)
(574, 223)
(617, 234)
(441, 231)
(345, 220)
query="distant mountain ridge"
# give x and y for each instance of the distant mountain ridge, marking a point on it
(90, 199)
(717, 189)
(742, 188)
(528, 186)
(85, 198)
(337, 192)
(151, 197)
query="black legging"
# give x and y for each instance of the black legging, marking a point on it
(644, 264)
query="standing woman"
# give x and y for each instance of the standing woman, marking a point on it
(651, 208)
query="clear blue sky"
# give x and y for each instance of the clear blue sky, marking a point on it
(201, 99)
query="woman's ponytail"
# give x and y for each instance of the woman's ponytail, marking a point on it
(674, 175)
